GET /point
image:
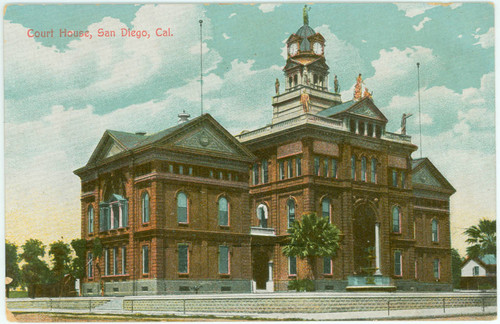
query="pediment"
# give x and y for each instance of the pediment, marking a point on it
(107, 147)
(367, 108)
(425, 173)
(205, 138)
(425, 177)
(112, 149)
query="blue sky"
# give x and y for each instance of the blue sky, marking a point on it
(61, 94)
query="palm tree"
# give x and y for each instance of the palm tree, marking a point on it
(482, 238)
(310, 238)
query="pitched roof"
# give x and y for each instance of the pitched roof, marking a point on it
(337, 109)
(416, 162)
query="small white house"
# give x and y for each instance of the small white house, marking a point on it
(479, 273)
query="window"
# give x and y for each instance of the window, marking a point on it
(292, 266)
(183, 254)
(90, 264)
(265, 172)
(334, 168)
(223, 259)
(353, 167)
(145, 207)
(113, 213)
(115, 260)
(291, 212)
(145, 259)
(223, 212)
(124, 260)
(281, 169)
(90, 214)
(255, 175)
(327, 266)
(325, 168)
(190, 171)
(435, 230)
(316, 166)
(171, 168)
(403, 179)
(363, 169)
(262, 215)
(295, 79)
(325, 208)
(394, 178)
(397, 263)
(298, 166)
(290, 82)
(211, 173)
(181, 169)
(475, 271)
(416, 269)
(437, 268)
(396, 219)
(221, 175)
(182, 208)
(374, 171)
(106, 262)
(289, 168)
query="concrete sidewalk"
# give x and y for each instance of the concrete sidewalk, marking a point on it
(373, 315)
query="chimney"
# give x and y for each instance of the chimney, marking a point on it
(183, 117)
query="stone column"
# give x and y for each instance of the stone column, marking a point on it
(357, 126)
(374, 130)
(270, 283)
(377, 249)
(366, 129)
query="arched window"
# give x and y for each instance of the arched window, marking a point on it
(363, 169)
(353, 167)
(262, 215)
(90, 214)
(396, 219)
(223, 212)
(374, 171)
(145, 207)
(291, 212)
(326, 209)
(182, 208)
(435, 231)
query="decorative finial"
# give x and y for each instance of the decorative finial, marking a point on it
(306, 14)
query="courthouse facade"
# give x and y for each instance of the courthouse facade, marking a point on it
(195, 209)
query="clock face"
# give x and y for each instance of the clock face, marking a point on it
(318, 49)
(293, 49)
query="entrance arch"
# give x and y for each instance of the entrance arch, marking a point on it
(364, 238)
(260, 268)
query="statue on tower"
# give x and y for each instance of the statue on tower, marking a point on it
(357, 87)
(367, 93)
(304, 100)
(336, 84)
(306, 76)
(277, 86)
(306, 14)
(403, 123)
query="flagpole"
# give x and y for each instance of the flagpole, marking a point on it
(419, 110)
(201, 65)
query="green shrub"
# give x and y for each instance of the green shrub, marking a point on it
(485, 287)
(301, 285)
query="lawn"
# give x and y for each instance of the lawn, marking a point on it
(18, 294)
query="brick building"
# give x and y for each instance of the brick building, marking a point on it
(194, 208)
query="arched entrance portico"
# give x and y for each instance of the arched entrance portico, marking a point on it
(364, 233)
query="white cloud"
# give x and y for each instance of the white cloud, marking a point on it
(225, 36)
(363, 41)
(413, 9)
(232, 15)
(268, 7)
(487, 39)
(421, 24)
(459, 36)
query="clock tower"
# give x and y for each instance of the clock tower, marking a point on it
(306, 76)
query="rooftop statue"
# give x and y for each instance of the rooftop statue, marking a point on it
(336, 85)
(306, 14)
(403, 123)
(357, 87)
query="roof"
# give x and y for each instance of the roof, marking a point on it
(416, 167)
(416, 162)
(336, 109)
(489, 259)
(304, 32)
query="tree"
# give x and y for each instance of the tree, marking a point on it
(61, 260)
(482, 238)
(79, 261)
(456, 268)
(35, 270)
(310, 238)
(12, 266)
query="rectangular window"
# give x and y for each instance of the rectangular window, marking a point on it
(171, 168)
(183, 256)
(211, 173)
(145, 259)
(327, 266)
(181, 169)
(475, 271)
(229, 176)
(90, 265)
(316, 166)
(394, 178)
(124, 260)
(435, 231)
(190, 171)
(397, 263)
(437, 269)
(298, 166)
(115, 260)
(104, 217)
(265, 172)
(325, 168)
(255, 174)
(374, 171)
(282, 169)
(403, 179)
(289, 168)
(223, 259)
(363, 169)
(292, 266)
(106, 262)
(353, 167)
(334, 169)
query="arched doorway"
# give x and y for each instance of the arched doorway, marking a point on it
(260, 268)
(364, 238)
